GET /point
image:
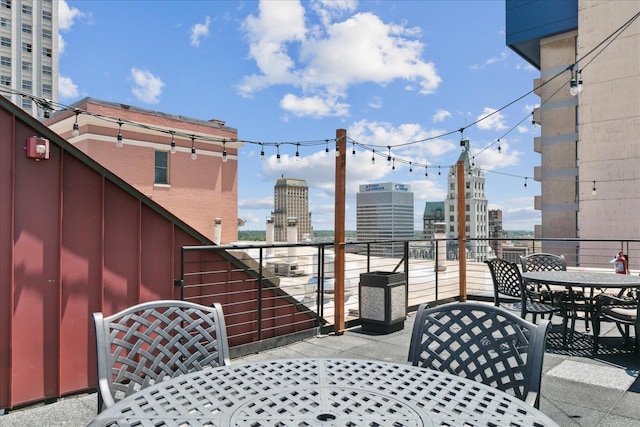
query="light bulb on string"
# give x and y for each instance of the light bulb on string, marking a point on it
(410, 167)
(525, 182)
(224, 151)
(297, 152)
(76, 127)
(261, 151)
(426, 171)
(173, 142)
(337, 149)
(389, 155)
(193, 147)
(499, 148)
(119, 138)
(353, 149)
(593, 190)
(326, 149)
(278, 160)
(575, 85)
(373, 157)
(439, 171)
(393, 165)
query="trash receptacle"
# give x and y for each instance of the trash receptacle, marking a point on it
(382, 301)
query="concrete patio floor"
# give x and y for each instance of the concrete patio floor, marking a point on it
(577, 388)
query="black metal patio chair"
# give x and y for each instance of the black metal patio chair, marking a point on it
(569, 301)
(150, 342)
(624, 310)
(511, 292)
(482, 342)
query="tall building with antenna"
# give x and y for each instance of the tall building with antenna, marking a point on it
(476, 208)
(29, 54)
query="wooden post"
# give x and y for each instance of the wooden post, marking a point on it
(339, 227)
(462, 229)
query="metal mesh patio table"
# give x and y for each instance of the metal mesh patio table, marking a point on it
(331, 392)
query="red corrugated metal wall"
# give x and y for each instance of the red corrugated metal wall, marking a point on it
(75, 239)
(73, 242)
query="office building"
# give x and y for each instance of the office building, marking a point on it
(589, 128)
(29, 54)
(291, 200)
(433, 213)
(476, 212)
(385, 212)
(192, 178)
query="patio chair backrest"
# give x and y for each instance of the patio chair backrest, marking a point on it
(481, 342)
(153, 341)
(507, 280)
(543, 262)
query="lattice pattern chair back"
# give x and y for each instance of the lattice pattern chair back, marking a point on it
(507, 280)
(543, 262)
(153, 341)
(482, 342)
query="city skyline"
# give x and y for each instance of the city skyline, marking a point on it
(287, 75)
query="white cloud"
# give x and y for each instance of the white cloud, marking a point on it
(315, 106)
(260, 203)
(491, 159)
(325, 62)
(66, 88)
(491, 119)
(492, 60)
(67, 15)
(383, 134)
(198, 31)
(66, 18)
(375, 102)
(328, 10)
(440, 115)
(146, 87)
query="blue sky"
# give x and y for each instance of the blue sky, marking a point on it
(389, 72)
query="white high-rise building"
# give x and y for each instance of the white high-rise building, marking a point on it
(476, 211)
(29, 54)
(385, 212)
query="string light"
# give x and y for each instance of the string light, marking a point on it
(261, 151)
(499, 148)
(575, 86)
(326, 150)
(593, 190)
(119, 142)
(439, 170)
(373, 157)
(389, 155)
(393, 165)
(353, 149)
(278, 160)
(76, 127)
(297, 152)
(224, 151)
(525, 182)
(173, 142)
(410, 167)
(193, 147)
(426, 171)
(337, 149)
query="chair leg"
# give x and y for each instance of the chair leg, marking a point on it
(596, 332)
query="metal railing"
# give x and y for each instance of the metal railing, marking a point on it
(272, 290)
